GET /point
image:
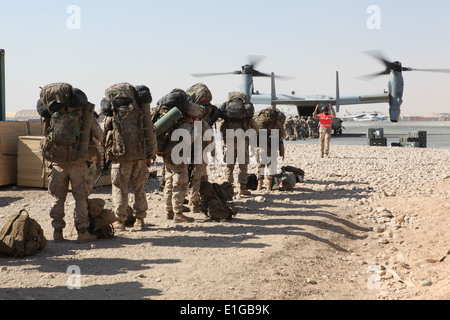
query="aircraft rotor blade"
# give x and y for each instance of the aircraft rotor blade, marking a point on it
(377, 54)
(255, 60)
(429, 70)
(199, 75)
(256, 73)
(374, 75)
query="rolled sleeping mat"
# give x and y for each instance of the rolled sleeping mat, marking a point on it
(167, 121)
(149, 131)
(85, 133)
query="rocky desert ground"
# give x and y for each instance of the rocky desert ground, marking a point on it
(368, 223)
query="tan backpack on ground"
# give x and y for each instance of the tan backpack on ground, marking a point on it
(21, 236)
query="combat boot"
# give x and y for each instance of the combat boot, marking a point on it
(260, 184)
(84, 236)
(244, 192)
(170, 215)
(58, 235)
(270, 184)
(139, 224)
(195, 206)
(179, 218)
(119, 226)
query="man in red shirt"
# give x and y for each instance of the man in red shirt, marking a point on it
(326, 121)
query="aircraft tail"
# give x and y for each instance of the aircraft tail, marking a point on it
(338, 93)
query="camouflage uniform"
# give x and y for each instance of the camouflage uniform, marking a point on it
(199, 174)
(125, 173)
(231, 163)
(270, 167)
(311, 130)
(304, 129)
(134, 174)
(288, 128)
(81, 179)
(176, 182)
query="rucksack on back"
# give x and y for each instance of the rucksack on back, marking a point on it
(270, 119)
(200, 94)
(237, 108)
(174, 105)
(21, 236)
(126, 141)
(56, 96)
(70, 119)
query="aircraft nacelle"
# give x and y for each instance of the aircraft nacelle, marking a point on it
(396, 86)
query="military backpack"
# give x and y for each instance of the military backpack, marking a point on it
(237, 108)
(284, 181)
(270, 119)
(126, 141)
(21, 236)
(69, 118)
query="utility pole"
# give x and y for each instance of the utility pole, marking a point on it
(2, 86)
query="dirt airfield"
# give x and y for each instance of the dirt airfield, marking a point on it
(368, 223)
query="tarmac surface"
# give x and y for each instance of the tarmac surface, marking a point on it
(355, 133)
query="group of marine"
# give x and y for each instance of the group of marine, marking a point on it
(132, 136)
(301, 128)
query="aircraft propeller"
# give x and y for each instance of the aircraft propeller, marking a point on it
(394, 66)
(246, 69)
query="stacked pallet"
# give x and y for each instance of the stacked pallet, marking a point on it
(34, 171)
(21, 161)
(9, 137)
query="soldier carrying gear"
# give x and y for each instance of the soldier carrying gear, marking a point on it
(201, 95)
(176, 173)
(270, 119)
(130, 146)
(68, 119)
(237, 113)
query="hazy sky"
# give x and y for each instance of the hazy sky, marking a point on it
(161, 43)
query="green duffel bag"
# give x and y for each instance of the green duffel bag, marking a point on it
(284, 181)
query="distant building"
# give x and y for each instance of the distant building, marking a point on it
(26, 115)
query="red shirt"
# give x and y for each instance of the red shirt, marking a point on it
(326, 121)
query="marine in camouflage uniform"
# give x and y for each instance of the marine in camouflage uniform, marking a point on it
(297, 128)
(235, 161)
(199, 174)
(275, 124)
(201, 95)
(289, 129)
(68, 118)
(81, 179)
(129, 151)
(176, 175)
(125, 173)
(311, 127)
(245, 123)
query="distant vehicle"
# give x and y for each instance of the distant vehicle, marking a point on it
(337, 126)
(372, 116)
(365, 116)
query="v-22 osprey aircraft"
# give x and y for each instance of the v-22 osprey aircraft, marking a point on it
(306, 104)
